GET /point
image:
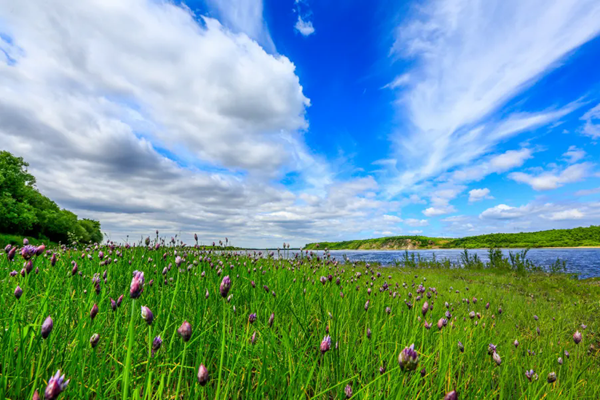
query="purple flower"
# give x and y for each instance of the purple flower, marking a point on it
(461, 347)
(271, 319)
(94, 311)
(40, 249)
(253, 338)
(497, 358)
(137, 284)
(425, 308)
(53, 260)
(47, 327)
(185, 330)
(577, 337)
(451, 395)
(7, 248)
(529, 374)
(367, 305)
(516, 343)
(408, 358)
(348, 391)
(25, 241)
(119, 301)
(156, 343)
(94, 340)
(325, 344)
(203, 376)
(11, 253)
(113, 304)
(225, 286)
(551, 377)
(147, 315)
(18, 292)
(252, 318)
(491, 349)
(28, 251)
(56, 385)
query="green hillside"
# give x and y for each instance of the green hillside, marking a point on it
(576, 237)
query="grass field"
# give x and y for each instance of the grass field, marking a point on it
(309, 299)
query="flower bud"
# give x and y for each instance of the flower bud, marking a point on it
(94, 311)
(18, 292)
(47, 327)
(203, 376)
(271, 319)
(451, 395)
(225, 286)
(137, 285)
(147, 315)
(252, 318)
(408, 358)
(577, 337)
(94, 340)
(156, 343)
(325, 344)
(185, 330)
(497, 358)
(461, 347)
(551, 377)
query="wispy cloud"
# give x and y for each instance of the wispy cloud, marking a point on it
(470, 59)
(592, 122)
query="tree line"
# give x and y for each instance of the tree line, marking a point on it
(25, 211)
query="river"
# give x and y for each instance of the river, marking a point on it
(582, 261)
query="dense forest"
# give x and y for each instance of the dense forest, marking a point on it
(575, 237)
(25, 211)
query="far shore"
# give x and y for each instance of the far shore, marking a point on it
(460, 249)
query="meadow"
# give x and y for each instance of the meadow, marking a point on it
(158, 320)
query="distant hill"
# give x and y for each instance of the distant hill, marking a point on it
(576, 237)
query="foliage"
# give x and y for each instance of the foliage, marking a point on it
(284, 360)
(576, 237)
(25, 211)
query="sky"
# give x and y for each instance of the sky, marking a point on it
(301, 120)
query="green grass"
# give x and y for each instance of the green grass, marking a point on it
(285, 362)
(576, 237)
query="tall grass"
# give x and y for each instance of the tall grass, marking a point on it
(285, 361)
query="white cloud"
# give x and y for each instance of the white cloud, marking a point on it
(399, 81)
(509, 160)
(416, 222)
(574, 154)
(392, 218)
(503, 211)
(592, 122)
(553, 179)
(416, 232)
(306, 28)
(479, 194)
(566, 215)
(436, 211)
(244, 16)
(470, 58)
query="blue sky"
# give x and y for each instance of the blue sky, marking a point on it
(299, 120)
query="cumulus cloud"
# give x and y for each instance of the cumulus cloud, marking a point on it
(479, 194)
(437, 211)
(180, 125)
(553, 179)
(450, 104)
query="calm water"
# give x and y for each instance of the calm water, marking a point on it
(585, 262)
